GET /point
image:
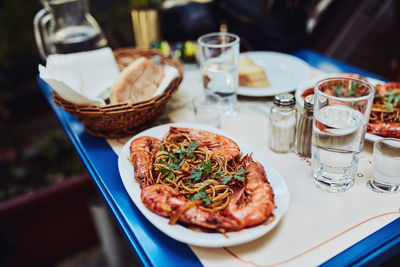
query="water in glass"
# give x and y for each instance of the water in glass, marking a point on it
(221, 78)
(386, 168)
(338, 137)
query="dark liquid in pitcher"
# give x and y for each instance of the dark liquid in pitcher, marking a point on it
(77, 39)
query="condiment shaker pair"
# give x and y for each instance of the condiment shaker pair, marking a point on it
(285, 131)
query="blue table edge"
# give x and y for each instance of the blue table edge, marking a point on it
(374, 249)
(133, 243)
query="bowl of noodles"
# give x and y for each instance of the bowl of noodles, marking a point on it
(203, 190)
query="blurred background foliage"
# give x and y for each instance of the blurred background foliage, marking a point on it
(46, 160)
(16, 30)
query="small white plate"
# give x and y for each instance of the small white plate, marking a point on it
(285, 72)
(372, 137)
(306, 84)
(184, 234)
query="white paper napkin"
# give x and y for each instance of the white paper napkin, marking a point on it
(87, 77)
(169, 74)
(81, 78)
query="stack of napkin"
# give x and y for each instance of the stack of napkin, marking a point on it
(87, 77)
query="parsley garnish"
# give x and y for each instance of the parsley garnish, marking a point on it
(201, 195)
(170, 173)
(192, 147)
(237, 176)
(218, 174)
(165, 170)
(338, 91)
(389, 107)
(208, 181)
(175, 166)
(196, 174)
(392, 97)
(207, 167)
(226, 179)
(163, 162)
(179, 154)
(171, 176)
(352, 89)
(170, 155)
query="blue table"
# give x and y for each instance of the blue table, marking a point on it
(153, 248)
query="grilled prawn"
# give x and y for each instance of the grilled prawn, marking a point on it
(254, 203)
(384, 129)
(210, 140)
(143, 150)
(168, 202)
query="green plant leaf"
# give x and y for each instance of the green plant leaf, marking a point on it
(192, 147)
(226, 179)
(389, 107)
(218, 174)
(196, 174)
(201, 195)
(207, 167)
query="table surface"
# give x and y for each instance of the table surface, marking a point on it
(153, 248)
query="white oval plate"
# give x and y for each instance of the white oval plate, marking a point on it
(285, 72)
(184, 234)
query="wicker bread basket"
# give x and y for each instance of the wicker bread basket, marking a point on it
(118, 120)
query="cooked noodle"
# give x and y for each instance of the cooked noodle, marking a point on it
(381, 113)
(173, 152)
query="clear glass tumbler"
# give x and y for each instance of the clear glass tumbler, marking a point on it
(207, 110)
(386, 169)
(341, 112)
(219, 55)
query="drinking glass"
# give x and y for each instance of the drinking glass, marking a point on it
(207, 109)
(219, 54)
(386, 168)
(341, 112)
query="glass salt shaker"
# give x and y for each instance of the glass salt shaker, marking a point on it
(304, 127)
(282, 124)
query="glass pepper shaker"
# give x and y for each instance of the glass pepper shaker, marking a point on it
(304, 127)
(282, 124)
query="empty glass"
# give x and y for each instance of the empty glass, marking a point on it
(219, 55)
(207, 110)
(386, 168)
(341, 112)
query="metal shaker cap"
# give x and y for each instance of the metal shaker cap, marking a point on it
(284, 100)
(309, 102)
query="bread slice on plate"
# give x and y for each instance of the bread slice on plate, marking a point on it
(137, 82)
(252, 75)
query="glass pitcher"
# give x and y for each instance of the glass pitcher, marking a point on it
(65, 26)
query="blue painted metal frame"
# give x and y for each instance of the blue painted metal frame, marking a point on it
(153, 248)
(150, 246)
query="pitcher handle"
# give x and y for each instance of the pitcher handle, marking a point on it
(42, 18)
